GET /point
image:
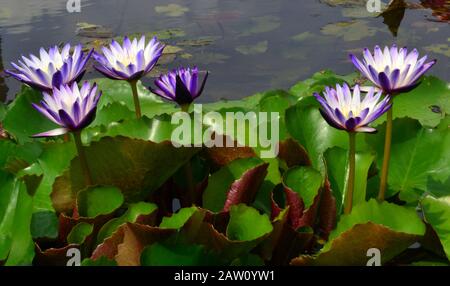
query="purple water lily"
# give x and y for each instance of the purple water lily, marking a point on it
(52, 69)
(345, 110)
(129, 61)
(70, 107)
(181, 86)
(392, 70)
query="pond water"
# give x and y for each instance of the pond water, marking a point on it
(247, 45)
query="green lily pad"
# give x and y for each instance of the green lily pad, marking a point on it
(16, 206)
(54, 159)
(164, 254)
(441, 49)
(436, 212)
(337, 168)
(247, 224)
(44, 224)
(133, 212)
(349, 31)
(178, 219)
(262, 24)
(427, 103)
(102, 261)
(79, 233)
(220, 183)
(96, 201)
(396, 227)
(305, 182)
(124, 163)
(258, 48)
(418, 156)
(171, 10)
(22, 127)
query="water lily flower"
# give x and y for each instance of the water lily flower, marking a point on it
(52, 69)
(181, 85)
(345, 110)
(392, 70)
(70, 107)
(130, 61)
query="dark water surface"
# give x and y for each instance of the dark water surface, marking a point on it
(248, 45)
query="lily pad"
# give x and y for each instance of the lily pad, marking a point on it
(349, 31)
(230, 185)
(436, 212)
(262, 24)
(79, 233)
(123, 163)
(133, 213)
(354, 235)
(441, 49)
(97, 201)
(258, 48)
(171, 10)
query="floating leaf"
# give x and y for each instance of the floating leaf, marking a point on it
(199, 42)
(93, 31)
(349, 31)
(302, 36)
(319, 81)
(258, 48)
(441, 49)
(171, 10)
(262, 24)
(208, 58)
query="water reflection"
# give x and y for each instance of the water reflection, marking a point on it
(248, 46)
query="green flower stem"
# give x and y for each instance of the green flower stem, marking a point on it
(387, 156)
(351, 174)
(82, 157)
(137, 105)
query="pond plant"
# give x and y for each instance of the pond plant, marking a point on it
(123, 194)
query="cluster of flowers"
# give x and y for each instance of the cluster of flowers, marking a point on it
(56, 73)
(392, 71)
